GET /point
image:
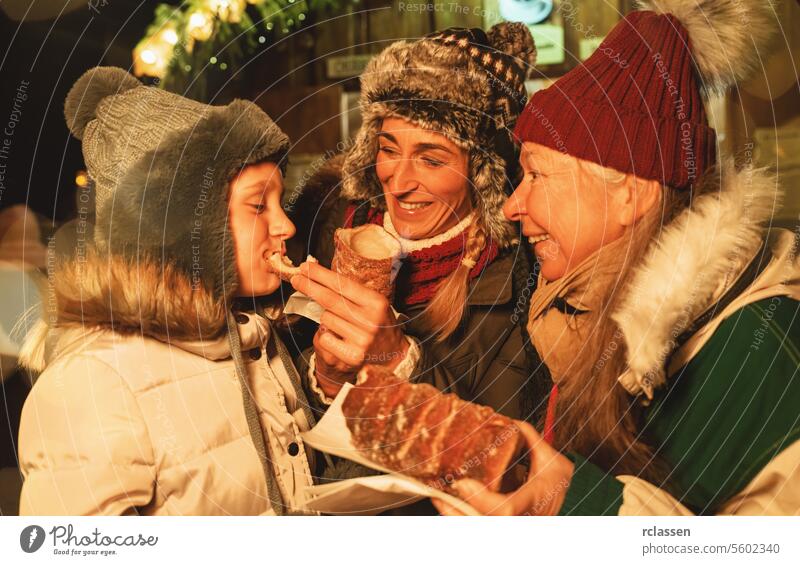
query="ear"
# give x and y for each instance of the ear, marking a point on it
(636, 197)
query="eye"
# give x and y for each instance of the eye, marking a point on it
(432, 162)
(534, 176)
(259, 208)
(386, 149)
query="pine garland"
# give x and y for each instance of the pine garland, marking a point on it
(186, 43)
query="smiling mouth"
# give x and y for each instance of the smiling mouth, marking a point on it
(534, 239)
(412, 205)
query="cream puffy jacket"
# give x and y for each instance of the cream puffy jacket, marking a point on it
(122, 423)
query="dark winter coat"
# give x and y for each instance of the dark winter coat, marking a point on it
(488, 360)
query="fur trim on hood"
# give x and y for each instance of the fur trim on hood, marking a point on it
(698, 256)
(129, 297)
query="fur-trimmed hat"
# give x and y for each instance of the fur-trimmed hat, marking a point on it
(160, 164)
(466, 84)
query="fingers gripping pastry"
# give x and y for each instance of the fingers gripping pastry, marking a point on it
(282, 266)
(437, 438)
(368, 254)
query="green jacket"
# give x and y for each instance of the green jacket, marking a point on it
(724, 411)
(729, 416)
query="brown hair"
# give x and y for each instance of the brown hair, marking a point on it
(596, 416)
(448, 305)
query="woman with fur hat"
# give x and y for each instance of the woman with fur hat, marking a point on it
(667, 312)
(433, 163)
(165, 388)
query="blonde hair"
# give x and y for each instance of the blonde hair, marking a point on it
(605, 174)
(596, 416)
(446, 309)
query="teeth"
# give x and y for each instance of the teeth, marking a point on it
(412, 205)
(534, 239)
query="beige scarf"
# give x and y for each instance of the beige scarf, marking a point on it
(560, 336)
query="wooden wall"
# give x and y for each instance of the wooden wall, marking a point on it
(292, 70)
(759, 120)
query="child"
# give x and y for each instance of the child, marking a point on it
(162, 392)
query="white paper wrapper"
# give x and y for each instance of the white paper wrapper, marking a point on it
(300, 304)
(365, 495)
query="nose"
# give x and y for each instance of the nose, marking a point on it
(403, 177)
(514, 207)
(281, 227)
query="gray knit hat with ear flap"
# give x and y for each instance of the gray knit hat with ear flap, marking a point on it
(161, 165)
(466, 84)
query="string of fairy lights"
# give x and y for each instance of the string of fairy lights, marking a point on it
(183, 39)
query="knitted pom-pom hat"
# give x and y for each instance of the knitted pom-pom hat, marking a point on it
(160, 165)
(466, 84)
(636, 104)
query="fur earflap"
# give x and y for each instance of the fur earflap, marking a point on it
(729, 38)
(81, 104)
(704, 247)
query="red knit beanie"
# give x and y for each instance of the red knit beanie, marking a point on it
(636, 104)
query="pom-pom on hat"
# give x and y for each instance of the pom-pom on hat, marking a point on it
(636, 104)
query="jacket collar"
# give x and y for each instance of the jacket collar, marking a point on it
(109, 294)
(494, 285)
(253, 332)
(699, 256)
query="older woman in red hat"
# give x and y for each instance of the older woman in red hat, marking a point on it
(666, 310)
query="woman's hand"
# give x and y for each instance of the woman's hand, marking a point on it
(542, 495)
(331, 373)
(357, 327)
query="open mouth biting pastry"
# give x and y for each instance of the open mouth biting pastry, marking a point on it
(368, 254)
(282, 266)
(437, 438)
